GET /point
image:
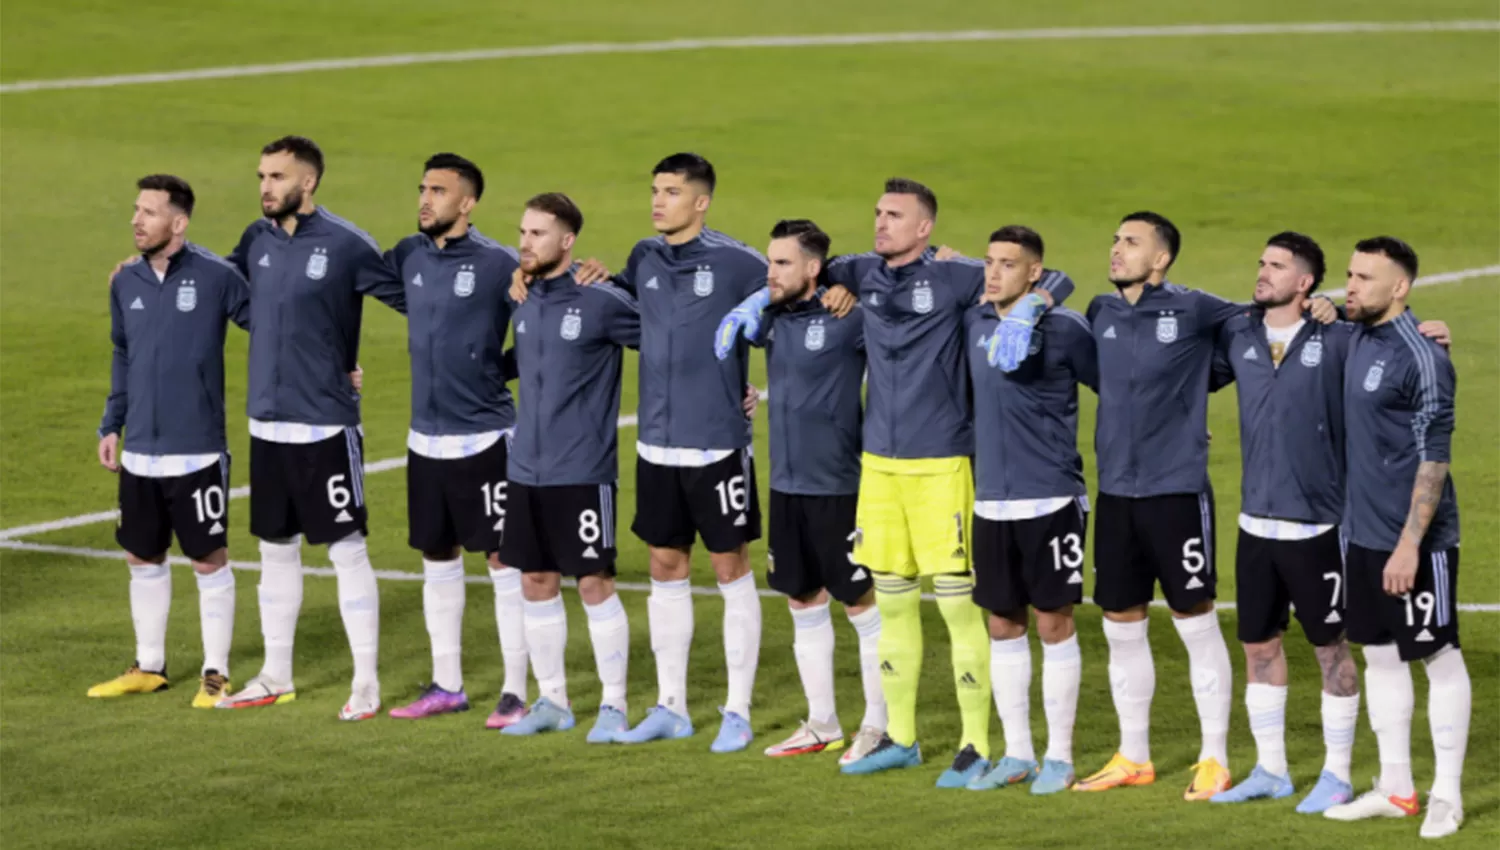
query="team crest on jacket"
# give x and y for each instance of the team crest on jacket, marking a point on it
(703, 282)
(921, 297)
(1312, 352)
(1166, 329)
(463, 281)
(1372, 377)
(815, 336)
(187, 296)
(572, 323)
(317, 264)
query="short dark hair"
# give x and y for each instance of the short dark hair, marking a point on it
(1020, 234)
(691, 166)
(464, 168)
(561, 206)
(301, 148)
(1166, 231)
(1303, 248)
(810, 237)
(179, 193)
(1396, 250)
(903, 186)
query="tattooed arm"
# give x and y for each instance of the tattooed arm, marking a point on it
(1432, 390)
(1401, 569)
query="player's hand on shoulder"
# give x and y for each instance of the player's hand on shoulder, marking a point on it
(947, 252)
(109, 452)
(520, 281)
(838, 300)
(1437, 331)
(1322, 309)
(591, 271)
(118, 266)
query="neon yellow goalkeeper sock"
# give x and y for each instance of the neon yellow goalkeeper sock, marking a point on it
(971, 657)
(900, 603)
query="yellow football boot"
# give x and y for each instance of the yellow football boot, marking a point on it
(132, 681)
(1119, 773)
(212, 688)
(1209, 778)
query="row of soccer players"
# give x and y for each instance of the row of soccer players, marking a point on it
(902, 491)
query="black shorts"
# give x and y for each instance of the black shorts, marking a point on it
(1138, 542)
(717, 502)
(1030, 562)
(192, 506)
(568, 529)
(1420, 622)
(313, 489)
(457, 502)
(812, 538)
(1272, 575)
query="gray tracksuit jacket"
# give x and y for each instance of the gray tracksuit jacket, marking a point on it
(1026, 421)
(458, 312)
(1291, 418)
(815, 364)
(1398, 405)
(569, 343)
(918, 403)
(307, 300)
(688, 398)
(166, 387)
(1151, 438)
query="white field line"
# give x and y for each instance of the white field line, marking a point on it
(750, 42)
(633, 587)
(627, 421)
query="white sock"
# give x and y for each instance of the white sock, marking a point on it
(812, 644)
(670, 609)
(443, 606)
(150, 601)
(609, 631)
(1390, 700)
(867, 626)
(508, 619)
(1266, 705)
(359, 603)
(216, 618)
(546, 644)
(1132, 683)
(280, 592)
(741, 641)
(1062, 674)
(1450, 701)
(1340, 714)
(1213, 680)
(1010, 680)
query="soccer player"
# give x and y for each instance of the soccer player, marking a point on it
(1401, 518)
(308, 271)
(1030, 508)
(1155, 515)
(457, 283)
(168, 312)
(916, 487)
(694, 472)
(560, 521)
(815, 363)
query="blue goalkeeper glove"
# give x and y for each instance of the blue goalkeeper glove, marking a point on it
(1011, 340)
(743, 319)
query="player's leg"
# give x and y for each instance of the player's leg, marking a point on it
(1053, 568)
(725, 510)
(1449, 692)
(1181, 542)
(546, 622)
(1389, 695)
(939, 508)
(883, 545)
(145, 527)
(663, 522)
(274, 522)
(792, 570)
(829, 523)
(864, 616)
(197, 503)
(999, 588)
(1263, 599)
(1124, 581)
(1313, 570)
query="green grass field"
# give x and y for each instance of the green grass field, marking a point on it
(1339, 134)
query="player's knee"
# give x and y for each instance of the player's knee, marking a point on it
(1265, 650)
(1055, 626)
(539, 587)
(1008, 626)
(668, 564)
(135, 560)
(285, 552)
(1133, 614)
(809, 600)
(596, 589)
(212, 562)
(730, 566)
(448, 555)
(1201, 608)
